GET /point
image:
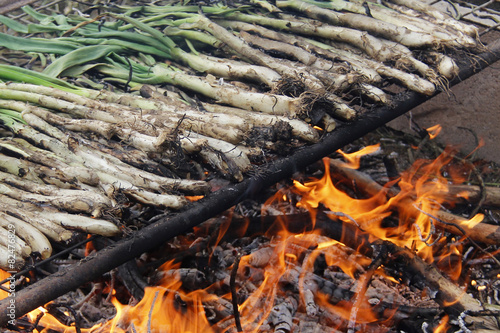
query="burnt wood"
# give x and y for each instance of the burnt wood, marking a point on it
(215, 203)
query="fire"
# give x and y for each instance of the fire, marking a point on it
(4, 275)
(348, 209)
(434, 131)
(89, 247)
(48, 322)
(194, 197)
(279, 278)
(412, 211)
(163, 308)
(354, 158)
(443, 325)
(473, 221)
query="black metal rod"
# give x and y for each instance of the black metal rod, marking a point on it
(159, 232)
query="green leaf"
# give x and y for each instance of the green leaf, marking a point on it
(150, 30)
(19, 74)
(61, 19)
(139, 46)
(80, 56)
(9, 117)
(128, 36)
(147, 59)
(84, 81)
(35, 45)
(39, 28)
(13, 24)
(77, 71)
(36, 15)
(32, 28)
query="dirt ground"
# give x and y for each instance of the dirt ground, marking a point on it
(471, 112)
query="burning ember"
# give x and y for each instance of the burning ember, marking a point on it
(335, 254)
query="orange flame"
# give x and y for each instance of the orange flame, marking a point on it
(415, 207)
(194, 197)
(48, 322)
(4, 275)
(443, 325)
(434, 131)
(89, 247)
(163, 309)
(479, 146)
(354, 158)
